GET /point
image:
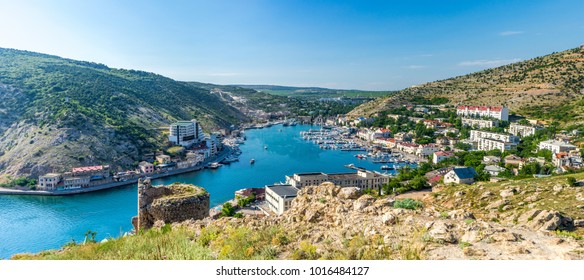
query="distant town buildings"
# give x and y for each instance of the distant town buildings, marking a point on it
(522, 130)
(487, 141)
(79, 177)
(479, 123)
(499, 113)
(186, 133)
(556, 146)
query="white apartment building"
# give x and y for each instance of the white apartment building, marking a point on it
(475, 135)
(186, 133)
(500, 113)
(279, 197)
(479, 123)
(486, 144)
(556, 146)
(522, 130)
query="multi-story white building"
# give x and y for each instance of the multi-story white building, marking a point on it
(475, 135)
(486, 144)
(49, 181)
(556, 146)
(213, 144)
(479, 123)
(279, 197)
(186, 133)
(500, 113)
(362, 179)
(522, 130)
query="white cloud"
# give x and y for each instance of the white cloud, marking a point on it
(510, 33)
(488, 63)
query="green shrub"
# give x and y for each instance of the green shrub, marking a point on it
(408, 203)
(571, 181)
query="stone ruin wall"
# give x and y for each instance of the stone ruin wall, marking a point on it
(168, 204)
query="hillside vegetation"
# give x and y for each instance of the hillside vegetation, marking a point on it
(524, 219)
(550, 87)
(56, 113)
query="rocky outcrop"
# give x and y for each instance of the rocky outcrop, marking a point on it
(169, 204)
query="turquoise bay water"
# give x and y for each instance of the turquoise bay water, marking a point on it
(33, 223)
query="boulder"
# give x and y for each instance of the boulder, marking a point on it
(474, 252)
(349, 193)
(547, 220)
(388, 219)
(440, 232)
(507, 193)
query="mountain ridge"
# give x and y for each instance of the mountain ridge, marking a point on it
(56, 113)
(541, 87)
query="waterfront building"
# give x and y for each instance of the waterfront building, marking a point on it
(522, 130)
(500, 113)
(386, 142)
(460, 175)
(426, 150)
(279, 197)
(186, 133)
(441, 155)
(408, 147)
(362, 179)
(213, 144)
(479, 123)
(76, 182)
(163, 159)
(49, 181)
(146, 167)
(556, 146)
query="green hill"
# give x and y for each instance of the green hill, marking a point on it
(56, 113)
(550, 87)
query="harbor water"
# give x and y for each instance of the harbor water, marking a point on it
(35, 223)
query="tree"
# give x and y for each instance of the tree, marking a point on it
(419, 182)
(227, 210)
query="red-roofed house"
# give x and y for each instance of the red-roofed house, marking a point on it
(441, 155)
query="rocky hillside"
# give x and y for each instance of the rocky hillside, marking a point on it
(57, 113)
(529, 219)
(548, 87)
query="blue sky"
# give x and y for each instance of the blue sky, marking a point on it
(373, 45)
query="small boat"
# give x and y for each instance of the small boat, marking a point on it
(387, 167)
(252, 161)
(214, 165)
(265, 147)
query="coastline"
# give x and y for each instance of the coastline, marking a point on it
(220, 157)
